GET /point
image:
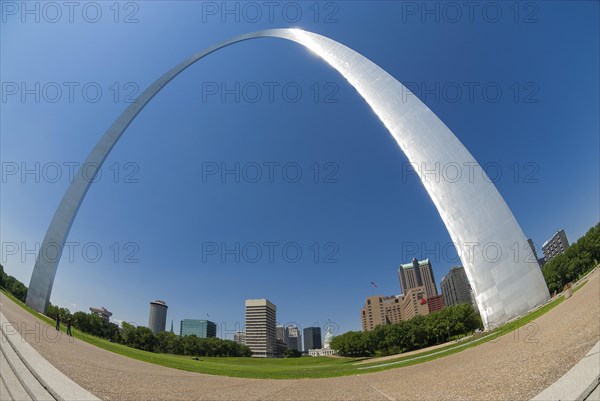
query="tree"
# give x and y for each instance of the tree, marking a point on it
(16, 288)
(351, 343)
(419, 332)
(129, 335)
(292, 353)
(2, 276)
(168, 343)
(146, 339)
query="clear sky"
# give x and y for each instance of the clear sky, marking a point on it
(518, 85)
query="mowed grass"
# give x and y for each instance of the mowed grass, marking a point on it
(296, 368)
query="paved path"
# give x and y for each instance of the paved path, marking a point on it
(26, 375)
(516, 366)
(578, 383)
(16, 381)
(595, 396)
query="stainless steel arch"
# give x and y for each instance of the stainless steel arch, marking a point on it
(489, 240)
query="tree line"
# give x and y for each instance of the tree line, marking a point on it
(169, 343)
(416, 333)
(143, 338)
(12, 285)
(132, 336)
(581, 257)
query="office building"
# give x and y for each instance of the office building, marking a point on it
(240, 337)
(294, 338)
(414, 303)
(379, 310)
(435, 304)
(416, 274)
(260, 328)
(282, 333)
(157, 321)
(555, 245)
(312, 338)
(456, 288)
(199, 328)
(104, 313)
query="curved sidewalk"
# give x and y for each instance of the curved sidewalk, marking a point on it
(578, 383)
(26, 375)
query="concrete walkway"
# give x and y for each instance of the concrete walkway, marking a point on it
(578, 383)
(25, 375)
(595, 395)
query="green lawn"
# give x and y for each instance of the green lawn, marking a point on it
(295, 368)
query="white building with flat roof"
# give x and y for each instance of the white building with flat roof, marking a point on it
(104, 313)
(261, 335)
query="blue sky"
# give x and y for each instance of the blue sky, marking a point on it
(157, 206)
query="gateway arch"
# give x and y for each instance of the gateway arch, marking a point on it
(489, 241)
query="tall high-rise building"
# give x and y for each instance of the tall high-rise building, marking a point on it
(157, 321)
(416, 274)
(312, 338)
(456, 288)
(380, 310)
(295, 338)
(199, 328)
(240, 337)
(409, 276)
(555, 245)
(260, 328)
(283, 334)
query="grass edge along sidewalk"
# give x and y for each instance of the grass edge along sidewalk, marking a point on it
(297, 368)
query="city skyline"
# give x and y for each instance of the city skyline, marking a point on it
(222, 331)
(76, 283)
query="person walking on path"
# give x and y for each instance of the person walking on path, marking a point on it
(58, 321)
(69, 327)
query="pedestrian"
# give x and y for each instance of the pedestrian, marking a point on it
(58, 321)
(69, 327)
